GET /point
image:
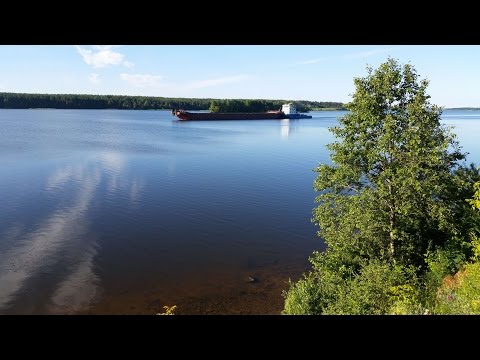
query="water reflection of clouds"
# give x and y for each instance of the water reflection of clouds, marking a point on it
(62, 242)
(37, 249)
(67, 297)
(113, 164)
(62, 176)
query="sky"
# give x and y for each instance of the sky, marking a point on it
(293, 72)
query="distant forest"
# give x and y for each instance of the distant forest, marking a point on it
(73, 101)
(463, 108)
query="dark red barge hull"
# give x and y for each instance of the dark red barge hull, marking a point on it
(185, 115)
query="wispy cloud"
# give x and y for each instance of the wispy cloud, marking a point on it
(100, 56)
(94, 78)
(128, 64)
(217, 81)
(368, 53)
(105, 47)
(354, 55)
(313, 61)
(143, 80)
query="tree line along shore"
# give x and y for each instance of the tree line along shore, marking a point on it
(123, 102)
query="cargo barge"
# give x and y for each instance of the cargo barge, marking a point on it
(288, 111)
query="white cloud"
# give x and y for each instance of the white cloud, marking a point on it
(143, 80)
(94, 78)
(217, 81)
(106, 47)
(355, 55)
(129, 64)
(368, 53)
(313, 61)
(102, 55)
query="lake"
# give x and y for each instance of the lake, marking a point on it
(124, 212)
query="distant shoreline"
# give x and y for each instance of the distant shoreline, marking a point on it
(463, 108)
(329, 109)
(124, 102)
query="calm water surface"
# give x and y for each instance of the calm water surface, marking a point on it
(123, 212)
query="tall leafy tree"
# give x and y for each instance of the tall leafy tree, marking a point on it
(392, 163)
(389, 197)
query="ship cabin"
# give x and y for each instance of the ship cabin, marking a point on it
(290, 112)
(289, 109)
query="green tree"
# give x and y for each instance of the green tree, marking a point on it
(214, 107)
(393, 163)
(475, 202)
(389, 195)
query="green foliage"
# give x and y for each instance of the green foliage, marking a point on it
(214, 107)
(309, 295)
(392, 207)
(250, 105)
(460, 294)
(475, 202)
(72, 101)
(378, 288)
(77, 101)
(391, 164)
(475, 248)
(406, 300)
(440, 263)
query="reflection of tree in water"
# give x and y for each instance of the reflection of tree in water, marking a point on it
(51, 268)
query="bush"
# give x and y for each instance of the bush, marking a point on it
(378, 288)
(460, 294)
(311, 294)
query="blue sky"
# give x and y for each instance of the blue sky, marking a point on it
(311, 72)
